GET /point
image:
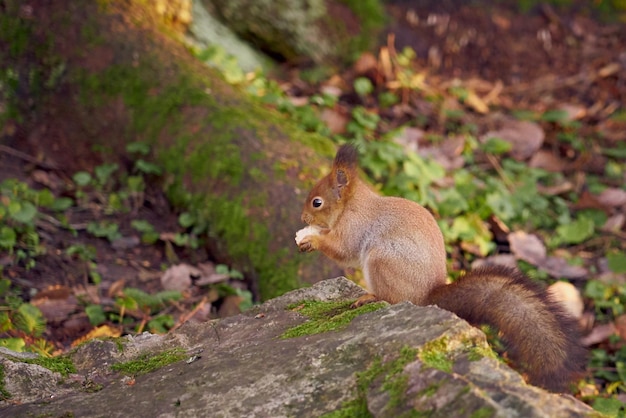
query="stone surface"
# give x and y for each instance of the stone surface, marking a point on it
(244, 368)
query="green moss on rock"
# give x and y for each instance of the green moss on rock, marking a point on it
(61, 364)
(147, 363)
(392, 379)
(327, 316)
(435, 354)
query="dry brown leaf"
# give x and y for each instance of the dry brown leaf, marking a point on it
(102, 331)
(525, 137)
(476, 103)
(56, 303)
(178, 277)
(614, 223)
(569, 297)
(527, 247)
(557, 189)
(547, 160)
(612, 197)
(572, 111)
(588, 201)
(409, 138)
(116, 288)
(365, 64)
(559, 267)
(620, 325)
(334, 120)
(598, 334)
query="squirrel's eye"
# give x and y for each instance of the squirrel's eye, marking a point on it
(317, 202)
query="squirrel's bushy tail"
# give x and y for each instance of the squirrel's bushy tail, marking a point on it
(542, 339)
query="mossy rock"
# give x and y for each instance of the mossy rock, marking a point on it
(321, 31)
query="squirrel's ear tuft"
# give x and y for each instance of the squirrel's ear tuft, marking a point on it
(347, 157)
(344, 171)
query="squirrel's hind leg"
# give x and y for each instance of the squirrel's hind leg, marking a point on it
(364, 300)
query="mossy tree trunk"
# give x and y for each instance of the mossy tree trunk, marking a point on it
(92, 77)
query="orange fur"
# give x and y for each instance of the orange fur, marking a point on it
(399, 246)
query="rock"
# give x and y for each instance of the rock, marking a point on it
(314, 30)
(397, 359)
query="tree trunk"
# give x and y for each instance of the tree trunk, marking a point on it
(82, 76)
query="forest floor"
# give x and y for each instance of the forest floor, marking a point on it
(485, 63)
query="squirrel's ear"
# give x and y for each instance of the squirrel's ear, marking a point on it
(344, 169)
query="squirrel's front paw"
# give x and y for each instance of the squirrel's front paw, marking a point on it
(305, 238)
(307, 244)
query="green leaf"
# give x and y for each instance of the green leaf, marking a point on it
(82, 178)
(617, 262)
(136, 184)
(8, 238)
(29, 319)
(103, 172)
(186, 219)
(96, 315)
(15, 344)
(5, 322)
(577, 231)
(26, 213)
(5, 285)
(609, 406)
(557, 116)
(138, 148)
(142, 225)
(104, 229)
(161, 324)
(147, 168)
(501, 205)
(363, 86)
(61, 204)
(45, 198)
(497, 146)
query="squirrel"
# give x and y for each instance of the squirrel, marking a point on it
(400, 249)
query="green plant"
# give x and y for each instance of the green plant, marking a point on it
(21, 323)
(20, 209)
(149, 235)
(104, 229)
(86, 254)
(141, 305)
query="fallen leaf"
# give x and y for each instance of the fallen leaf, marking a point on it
(476, 103)
(56, 303)
(116, 288)
(614, 223)
(598, 334)
(569, 297)
(572, 112)
(178, 277)
(612, 197)
(102, 331)
(558, 267)
(365, 64)
(527, 247)
(547, 160)
(525, 137)
(408, 138)
(620, 325)
(334, 120)
(587, 200)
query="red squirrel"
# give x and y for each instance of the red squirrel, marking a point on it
(400, 249)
